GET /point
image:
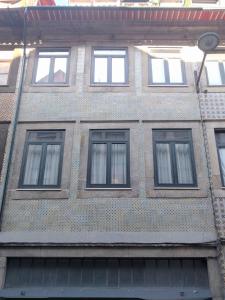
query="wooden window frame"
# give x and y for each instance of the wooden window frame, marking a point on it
(222, 73)
(220, 146)
(44, 145)
(109, 142)
(172, 143)
(166, 72)
(109, 66)
(52, 64)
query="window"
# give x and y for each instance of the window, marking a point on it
(173, 158)
(110, 66)
(108, 162)
(166, 71)
(52, 66)
(42, 161)
(215, 72)
(5, 61)
(220, 141)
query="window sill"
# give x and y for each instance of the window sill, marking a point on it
(50, 85)
(36, 189)
(108, 189)
(168, 85)
(176, 188)
(109, 85)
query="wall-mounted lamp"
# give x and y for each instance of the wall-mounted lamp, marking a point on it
(207, 42)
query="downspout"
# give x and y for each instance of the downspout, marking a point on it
(15, 119)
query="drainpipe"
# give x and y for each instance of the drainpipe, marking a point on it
(15, 119)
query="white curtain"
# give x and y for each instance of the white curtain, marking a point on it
(32, 165)
(52, 165)
(222, 161)
(98, 163)
(164, 164)
(184, 169)
(118, 164)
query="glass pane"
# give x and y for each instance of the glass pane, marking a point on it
(110, 52)
(158, 73)
(4, 67)
(43, 67)
(213, 73)
(118, 70)
(3, 79)
(52, 53)
(164, 164)
(118, 164)
(60, 69)
(98, 163)
(100, 71)
(119, 136)
(222, 162)
(175, 71)
(184, 168)
(32, 165)
(220, 138)
(52, 165)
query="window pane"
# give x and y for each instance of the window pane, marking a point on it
(213, 73)
(118, 164)
(184, 168)
(4, 67)
(118, 136)
(98, 163)
(164, 164)
(60, 70)
(110, 52)
(3, 79)
(52, 53)
(222, 162)
(52, 165)
(175, 71)
(158, 73)
(42, 75)
(100, 70)
(118, 70)
(32, 165)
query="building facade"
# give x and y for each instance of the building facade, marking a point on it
(114, 179)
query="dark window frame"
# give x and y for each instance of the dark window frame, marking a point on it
(109, 142)
(166, 71)
(52, 64)
(109, 65)
(222, 74)
(172, 144)
(220, 146)
(44, 145)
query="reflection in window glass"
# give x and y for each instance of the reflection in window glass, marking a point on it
(32, 165)
(118, 164)
(118, 70)
(158, 72)
(164, 168)
(213, 73)
(43, 67)
(60, 69)
(52, 165)
(175, 71)
(184, 168)
(4, 71)
(98, 166)
(100, 70)
(222, 162)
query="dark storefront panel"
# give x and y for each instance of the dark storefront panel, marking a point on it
(107, 278)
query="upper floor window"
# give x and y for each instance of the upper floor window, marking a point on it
(110, 66)
(52, 66)
(215, 71)
(108, 162)
(220, 141)
(169, 71)
(42, 159)
(5, 61)
(173, 158)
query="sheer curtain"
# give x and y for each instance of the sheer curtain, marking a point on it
(52, 165)
(184, 168)
(32, 165)
(222, 162)
(98, 163)
(118, 164)
(163, 163)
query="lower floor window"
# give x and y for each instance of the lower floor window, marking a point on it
(220, 140)
(108, 163)
(42, 160)
(173, 156)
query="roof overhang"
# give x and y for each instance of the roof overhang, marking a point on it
(50, 23)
